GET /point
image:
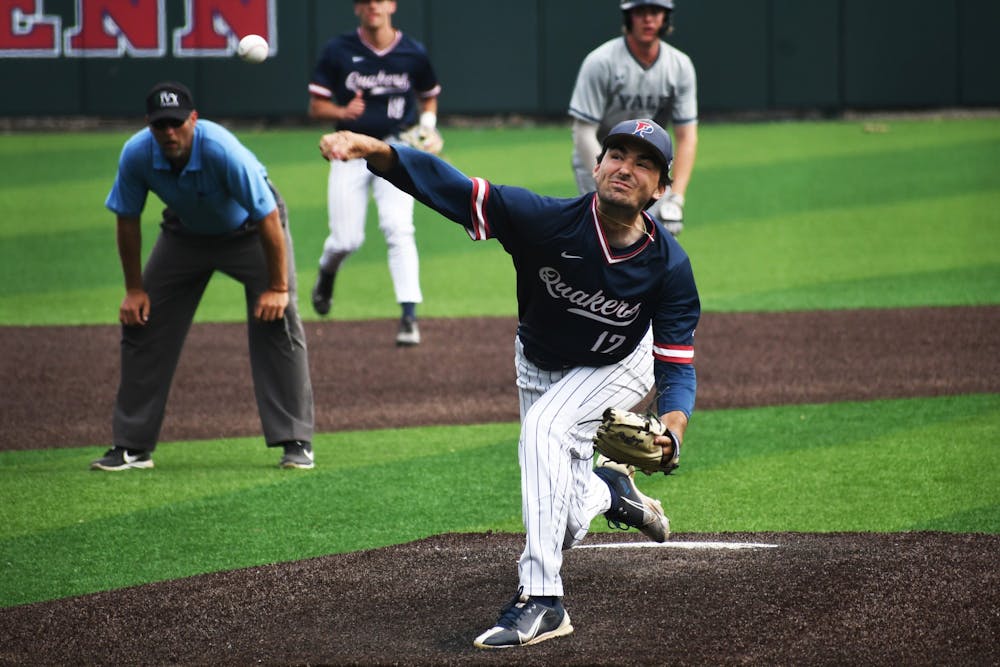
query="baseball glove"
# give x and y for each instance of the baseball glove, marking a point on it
(423, 138)
(629, 438)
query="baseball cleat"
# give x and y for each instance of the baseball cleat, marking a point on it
(298, 455)
(120, 458)
(525, 621)
(409, 333)
(322, 292)
(629, 506)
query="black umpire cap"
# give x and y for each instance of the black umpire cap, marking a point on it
(169, 99)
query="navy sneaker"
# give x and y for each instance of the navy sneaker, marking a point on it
(298, 454)
(631, 507)
(322, 292)
(526, 621)
(408, 334)
(120, 458)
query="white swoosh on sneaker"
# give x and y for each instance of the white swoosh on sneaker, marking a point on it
(525, 637)
(128, 458)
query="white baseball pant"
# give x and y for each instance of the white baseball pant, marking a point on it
(560, 494)
(347, 208)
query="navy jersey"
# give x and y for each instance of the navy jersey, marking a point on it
(580, 301)
(391, 80)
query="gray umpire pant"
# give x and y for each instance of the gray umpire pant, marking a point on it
(175, 276)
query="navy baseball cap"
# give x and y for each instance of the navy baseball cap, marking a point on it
(648, 132)
(168, 99)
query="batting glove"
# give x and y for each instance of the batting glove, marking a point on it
(671, 213)
(433, 143)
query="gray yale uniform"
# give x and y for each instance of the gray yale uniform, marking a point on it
(613, 86)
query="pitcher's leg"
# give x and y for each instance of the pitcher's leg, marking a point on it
(622, 385)
(559, 493)
(546, 484)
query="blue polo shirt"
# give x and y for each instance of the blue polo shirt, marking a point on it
(222, 186)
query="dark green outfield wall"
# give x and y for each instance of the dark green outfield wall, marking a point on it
(521, 56)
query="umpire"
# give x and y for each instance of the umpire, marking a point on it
(223, 214)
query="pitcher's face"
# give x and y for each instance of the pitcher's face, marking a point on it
(628, 175)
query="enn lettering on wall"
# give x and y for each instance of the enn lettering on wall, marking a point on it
(136, 28)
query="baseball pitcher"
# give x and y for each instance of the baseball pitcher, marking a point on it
(607, 305)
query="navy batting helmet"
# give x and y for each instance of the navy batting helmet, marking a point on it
(628, 5)
(632, 4)
(647, 132)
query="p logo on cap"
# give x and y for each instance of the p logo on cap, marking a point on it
(642, 128)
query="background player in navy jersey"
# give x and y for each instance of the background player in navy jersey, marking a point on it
(607, 306)
(378, 82)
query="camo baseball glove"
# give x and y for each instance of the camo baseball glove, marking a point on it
(423, 138)
(630, 438)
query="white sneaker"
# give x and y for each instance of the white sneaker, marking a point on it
(409, 333)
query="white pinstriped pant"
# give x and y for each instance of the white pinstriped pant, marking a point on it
(560, 494)
(347, 207)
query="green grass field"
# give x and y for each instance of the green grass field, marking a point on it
(219, 505)
(781, 216)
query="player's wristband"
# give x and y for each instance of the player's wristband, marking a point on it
(677, 445)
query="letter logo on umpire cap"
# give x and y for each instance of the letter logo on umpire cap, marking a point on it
(649, 133)
(169, 99)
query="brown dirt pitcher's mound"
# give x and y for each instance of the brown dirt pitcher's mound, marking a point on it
(831, 599)
(59, 382)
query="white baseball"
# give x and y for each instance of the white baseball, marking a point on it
(253, 49)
